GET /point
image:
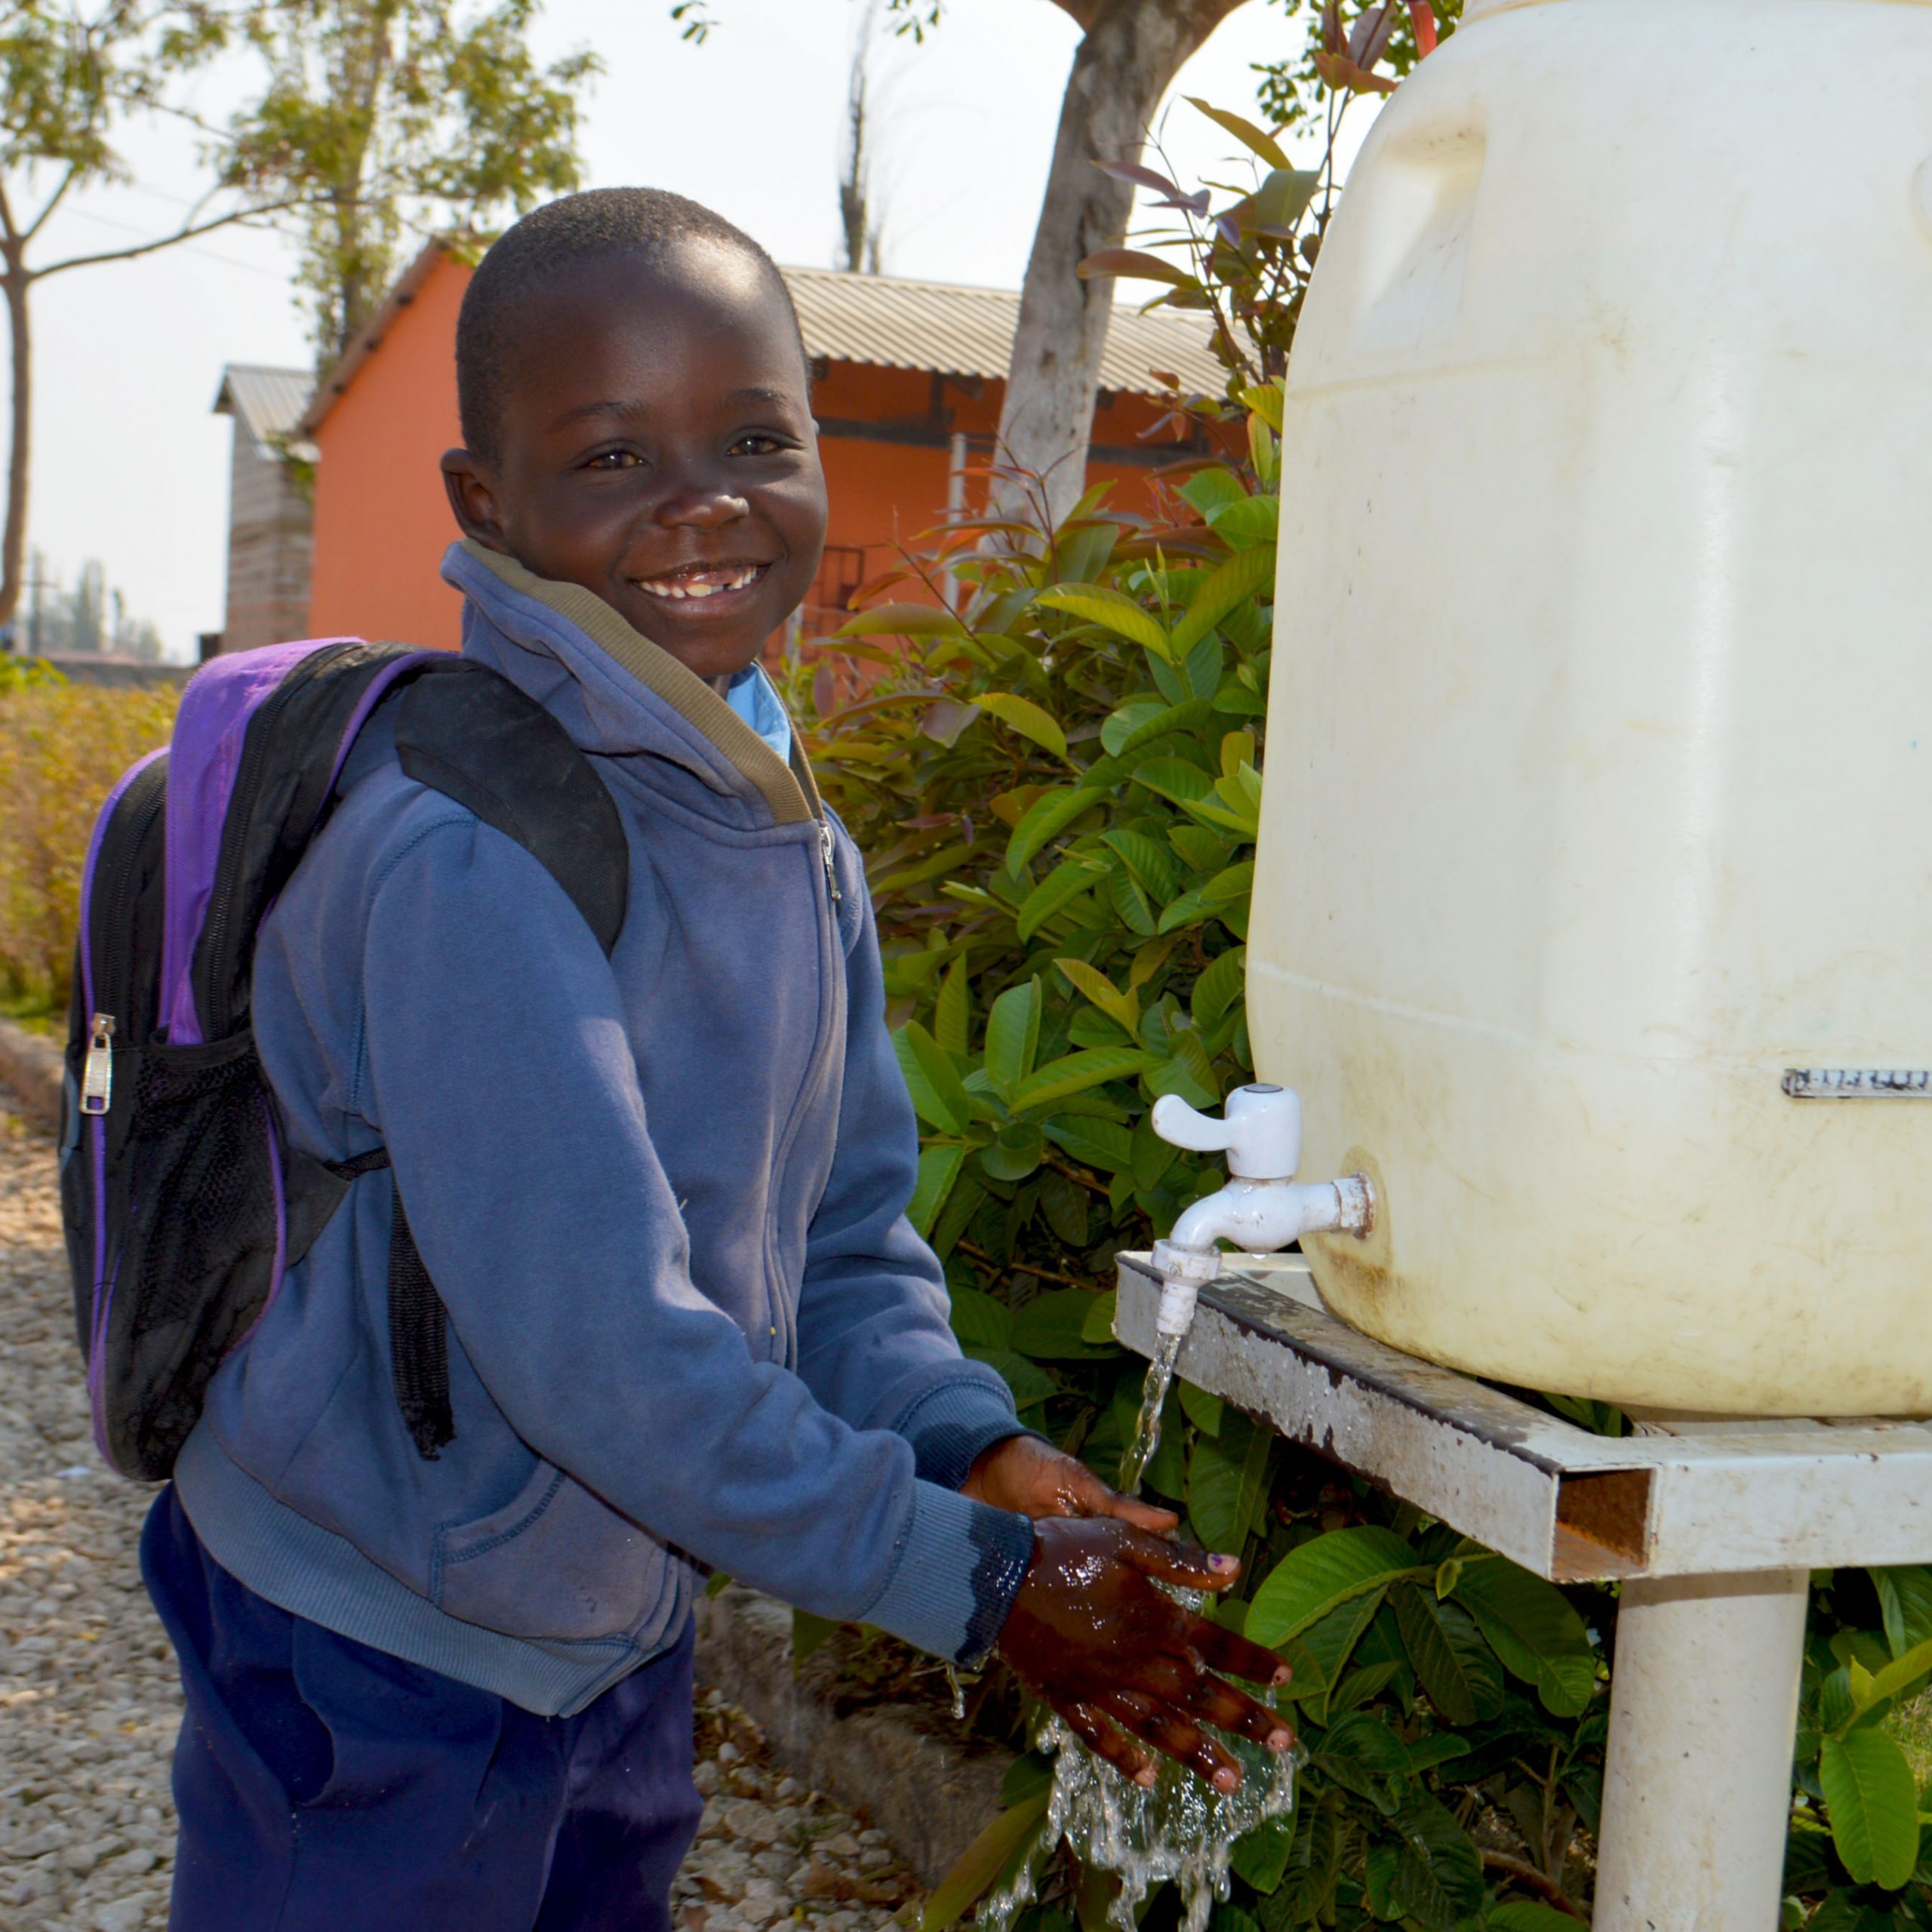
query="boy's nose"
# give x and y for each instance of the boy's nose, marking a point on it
(702, 510)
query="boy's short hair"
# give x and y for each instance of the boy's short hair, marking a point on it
(530, 254)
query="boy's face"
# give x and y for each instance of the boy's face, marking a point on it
(655, 444)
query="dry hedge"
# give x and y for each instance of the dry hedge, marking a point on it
(62, 746)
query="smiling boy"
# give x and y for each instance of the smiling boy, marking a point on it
(445, 1682)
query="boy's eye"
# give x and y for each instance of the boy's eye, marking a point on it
(614, 459)
(762, 442)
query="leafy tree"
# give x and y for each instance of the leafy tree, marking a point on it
(72, 78)
(379, 117)
(385, 118)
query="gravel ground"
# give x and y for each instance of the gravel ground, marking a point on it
(89, 1702)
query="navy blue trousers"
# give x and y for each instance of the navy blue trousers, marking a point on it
(323, 1785)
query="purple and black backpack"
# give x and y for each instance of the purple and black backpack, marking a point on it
(184, 1203)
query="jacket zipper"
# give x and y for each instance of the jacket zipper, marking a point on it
(830, 870)
(831, 956)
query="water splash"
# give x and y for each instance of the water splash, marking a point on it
(1181, 1827)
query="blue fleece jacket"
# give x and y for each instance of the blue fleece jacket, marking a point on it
(662, 1196)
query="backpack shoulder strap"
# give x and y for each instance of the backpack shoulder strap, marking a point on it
(469, 732)
(463, 730)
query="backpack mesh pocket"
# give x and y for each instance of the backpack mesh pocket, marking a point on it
(199, 1256)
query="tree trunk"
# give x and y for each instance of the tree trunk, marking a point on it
(1130, 53)
(16, 280)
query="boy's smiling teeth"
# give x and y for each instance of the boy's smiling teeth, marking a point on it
(702, 582)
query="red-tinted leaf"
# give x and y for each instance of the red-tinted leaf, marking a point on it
(1422, 17)
(1341, 74)
(988, 523)
(1135, 262)
(872, 707)
(873, 585)
(1141, 177)
(1371, 33)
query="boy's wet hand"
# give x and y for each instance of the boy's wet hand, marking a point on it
(1033, 1479)
(1123, 1664)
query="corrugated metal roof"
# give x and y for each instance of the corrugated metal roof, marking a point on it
(269, 402)
(956, 331)
(882, 319)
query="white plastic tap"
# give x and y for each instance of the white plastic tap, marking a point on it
(1263, 1208)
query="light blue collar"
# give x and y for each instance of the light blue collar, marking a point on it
(751, 697)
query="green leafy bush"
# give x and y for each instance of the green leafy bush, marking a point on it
(62, 746)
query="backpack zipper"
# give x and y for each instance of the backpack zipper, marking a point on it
(97, 1074)
(133, 819)
(825, 853)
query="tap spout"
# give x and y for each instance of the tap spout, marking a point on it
(1261, 1217)
(1262, 1208)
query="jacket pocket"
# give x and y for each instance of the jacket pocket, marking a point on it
(552, 1564)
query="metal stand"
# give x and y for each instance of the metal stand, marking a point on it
(1713, 1529)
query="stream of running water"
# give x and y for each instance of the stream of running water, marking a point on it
(1181, 1827)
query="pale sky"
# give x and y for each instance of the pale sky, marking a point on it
(129, 356)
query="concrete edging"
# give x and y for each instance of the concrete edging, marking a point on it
(30, 1066)
(931, 1797)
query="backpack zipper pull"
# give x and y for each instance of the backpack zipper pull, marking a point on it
(825, 853)
(97, 1073)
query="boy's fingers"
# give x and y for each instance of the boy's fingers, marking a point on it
(1181, 1682)
(1131, 1509)
(1221, 1705)
(1233, 1655)
(1090, 1497)
(1107, 1741)
(1174, 1735)
(1173, 1563)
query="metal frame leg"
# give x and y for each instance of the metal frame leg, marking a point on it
(1697, 1783)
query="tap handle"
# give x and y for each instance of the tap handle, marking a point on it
(1260, 1131)
(1181, 1126)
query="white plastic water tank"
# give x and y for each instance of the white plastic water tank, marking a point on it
(1598, 796)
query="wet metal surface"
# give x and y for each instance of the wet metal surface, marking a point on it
(1569, 1505)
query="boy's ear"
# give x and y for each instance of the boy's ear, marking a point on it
(472, 495)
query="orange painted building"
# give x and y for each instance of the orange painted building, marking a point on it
(908, 390)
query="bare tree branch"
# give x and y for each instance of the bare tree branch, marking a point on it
(1525, 1874)
(53, 202)
(129, 254)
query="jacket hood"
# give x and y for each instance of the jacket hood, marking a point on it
(618, 694)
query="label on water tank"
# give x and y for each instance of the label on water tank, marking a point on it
(1858, 1083)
